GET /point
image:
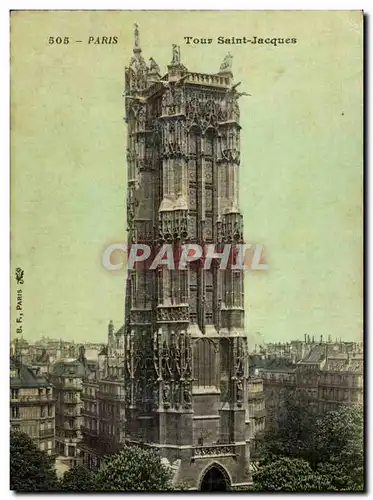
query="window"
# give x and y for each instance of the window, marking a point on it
(15, 412)
(205, 363)
(224, 357)
(14, 394)
(42, 446)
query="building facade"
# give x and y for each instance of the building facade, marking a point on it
(324, 375)
(185, 347)
(90, 445)
(67, 377)
(103, 403)
(278, 377)
(32, 406)
(257, 414)
(342, 378)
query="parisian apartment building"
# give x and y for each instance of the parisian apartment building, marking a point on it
(32, 405)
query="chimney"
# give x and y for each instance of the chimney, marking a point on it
(59, 350)
(81, 356)
(321, 339)
(111, 342)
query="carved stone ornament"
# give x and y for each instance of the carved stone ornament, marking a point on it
(153, 66)
(175, 54)
(173, 227)
(176, 394)
(203, 451)
(239, 392)
(226, 65)
(136, 37)
(206, 113)
(166, 370)
(175, 359)
(172, 314)
(166, 393)
(187, 394)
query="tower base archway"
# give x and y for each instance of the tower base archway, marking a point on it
(215, 479)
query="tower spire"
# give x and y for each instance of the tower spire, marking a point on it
(136, 73)
(136, 46)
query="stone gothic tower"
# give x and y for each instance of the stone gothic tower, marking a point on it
(185, 346)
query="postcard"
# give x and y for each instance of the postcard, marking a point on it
(186, 251)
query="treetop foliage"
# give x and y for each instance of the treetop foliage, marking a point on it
(30, 468)
(332, 446)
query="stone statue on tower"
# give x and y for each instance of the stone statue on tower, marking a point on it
(226, 65)
(137, 36)
(175, 54)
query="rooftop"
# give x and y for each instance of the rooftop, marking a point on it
(23, 376)
(69, 367)
(275, 365)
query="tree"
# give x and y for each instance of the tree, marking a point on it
(340, 433)
(344, 476)
(30, 468)
(133, 469)
(339, 443)
(332, 443)
(289, 474)
(78, 478)
(294, 433)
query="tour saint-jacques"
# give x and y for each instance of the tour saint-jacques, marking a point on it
(185, 346)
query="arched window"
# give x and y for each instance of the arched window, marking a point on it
(205, 359)
(225, 358)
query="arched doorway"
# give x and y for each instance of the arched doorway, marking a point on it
(215, 479)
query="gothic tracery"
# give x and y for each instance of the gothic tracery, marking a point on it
(182, 327)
